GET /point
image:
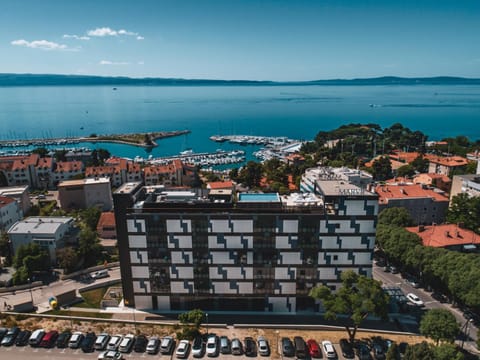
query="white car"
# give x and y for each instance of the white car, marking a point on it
(182, 349)
(329, 349)
(414, 299)
(110, 355)
(212, 346)
(153, 345)
(114, 342)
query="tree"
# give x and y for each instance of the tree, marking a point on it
(90, 217)
(89, 249)
(421, 351)
(29, 258)
(357, 298)
(447, 352)
(195, 317)
(41, 151)
(251, 174)
(466, 210)
(67, 259)
(393, 352)
(439, 324)
(382, 169)
(406, 171)
(420, 164)
(5, 248)
(396, 216)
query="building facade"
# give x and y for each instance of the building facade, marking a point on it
(20, 194)
(50, 232)
(259, 252)
(85, 193)
(10, 212)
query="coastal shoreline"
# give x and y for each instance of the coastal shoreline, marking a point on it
(125, 139)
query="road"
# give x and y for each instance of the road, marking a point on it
(40, 295)
(388, 279)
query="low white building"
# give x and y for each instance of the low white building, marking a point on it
(10, 212)
(18, 193)
(50, 232)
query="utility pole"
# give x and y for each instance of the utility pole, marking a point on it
(206, 315)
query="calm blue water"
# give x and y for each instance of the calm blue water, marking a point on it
(296, 112)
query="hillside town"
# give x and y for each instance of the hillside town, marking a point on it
(280, 237)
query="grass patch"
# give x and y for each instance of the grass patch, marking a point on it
(80, 314)
(93, 298)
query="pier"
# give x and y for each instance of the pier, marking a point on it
(145, 140)
(202, 159)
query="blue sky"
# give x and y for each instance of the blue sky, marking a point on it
(258, 40)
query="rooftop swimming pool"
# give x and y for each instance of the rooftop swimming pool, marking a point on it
(247, 197)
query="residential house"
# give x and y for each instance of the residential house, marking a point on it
(20, 194)
(10, 212)
(448, 236)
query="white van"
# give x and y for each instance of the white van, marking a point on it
(36, 337)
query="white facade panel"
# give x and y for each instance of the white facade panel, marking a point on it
(163, 303)
(285, 241)
(290, 258)
(330, 242)
(355, 207)
(366, 226)
(141, 286)
(220, 226)
(363, 259)
(143, 302)
(242, 226)
(287, 288)
(137, 241)
(290, 226)
(245, 288)
(180, 242)
(353, 242)
(285, 273)
(223, 287)
(182, 257)
(136, 225)
(179, 226)
(327, 273)
(140, 272)
(182, 272)
(138, 257)
(221, 257)
(180, 288)
(339, 258)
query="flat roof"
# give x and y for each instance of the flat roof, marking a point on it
(39, 225)
(13, 190)
(127, 188)
(341, 187)
(259, 197)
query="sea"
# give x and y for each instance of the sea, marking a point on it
(297, 112)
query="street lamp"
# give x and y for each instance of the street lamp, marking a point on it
(466, 330)
(31, 294)
(206, 315)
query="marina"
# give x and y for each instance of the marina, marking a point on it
(253, 140)
(217, 158)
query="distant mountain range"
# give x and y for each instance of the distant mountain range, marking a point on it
(73, 80)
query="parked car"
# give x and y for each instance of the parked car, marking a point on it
(198, 347)
(110, 355)
(363, 352)
(153, 345)
(212, 346)
(182, 349)
(127, 343)
(414, 299)
(63, 338)
(237, 347)
(347, 349)
(100, 274)
(314, 349)
(166, 345)
(75, 340)
(394, 269)
(49, 339)
(287, 347)
(10, 336)
(300, 347)
(36, 337)
(378, 351)
(250, 348)
(225, 345)
(263, 347)
(102, 341)
(22, 338)
(413, 282)
(88, 342)
(114, 342)
(140, 344)
(439, 297)
(329, 350)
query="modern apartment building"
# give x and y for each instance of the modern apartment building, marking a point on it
(213, 250)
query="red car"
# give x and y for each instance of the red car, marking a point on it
(314, 349)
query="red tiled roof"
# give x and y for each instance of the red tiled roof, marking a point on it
(404, 157)
(294, 157)
(445, 235)
(159, 169)
(45, 163)
(101, 170)
(106, 219)
(69, 166)
(386, 192)
(4, 201)
(220, 185)
(451, 161)
(432, 176)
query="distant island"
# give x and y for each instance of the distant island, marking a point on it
(83, 80)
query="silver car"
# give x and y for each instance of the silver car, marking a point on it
(263, 347)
